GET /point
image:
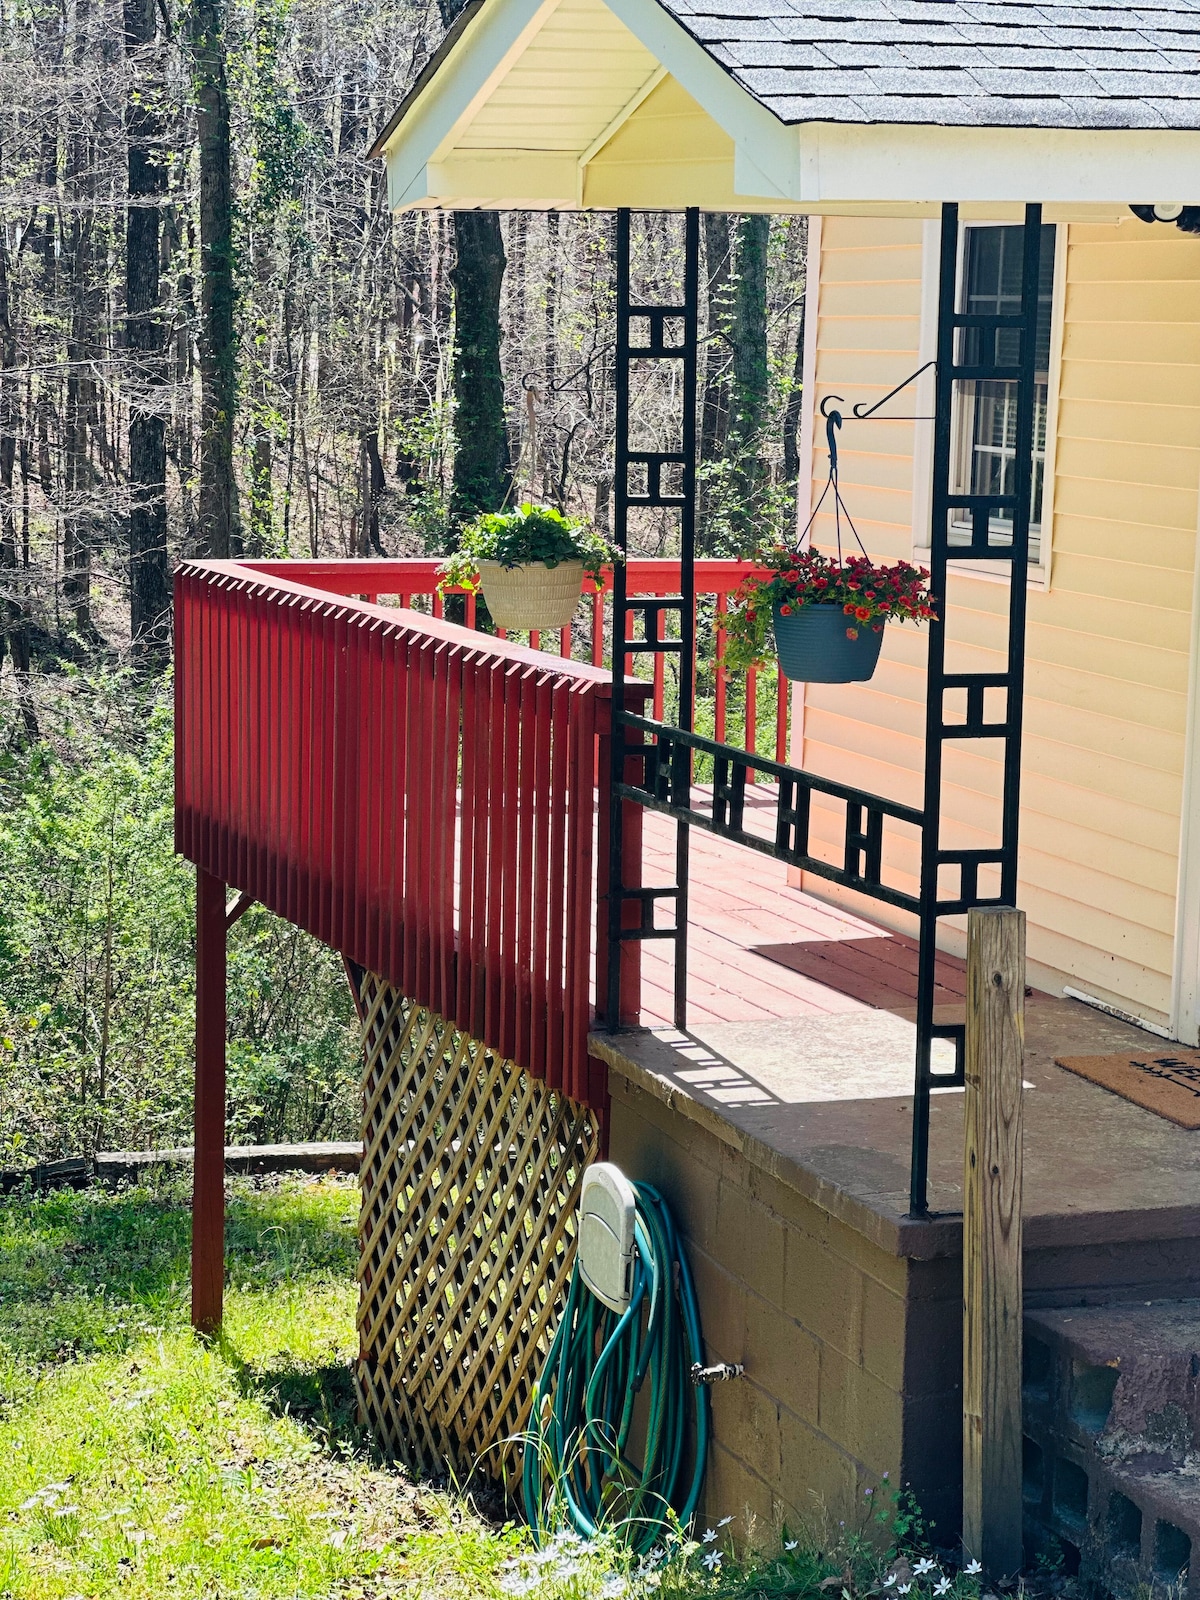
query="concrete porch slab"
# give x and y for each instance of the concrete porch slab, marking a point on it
(823, 1102)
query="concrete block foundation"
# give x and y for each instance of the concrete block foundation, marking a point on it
(787, 1174)
(833, 1331)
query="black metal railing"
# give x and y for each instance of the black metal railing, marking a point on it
(664, 753)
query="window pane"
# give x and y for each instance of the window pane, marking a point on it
(992, 287)
(986, 424)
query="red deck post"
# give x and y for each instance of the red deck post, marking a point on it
(631, 853)
(208, 1184)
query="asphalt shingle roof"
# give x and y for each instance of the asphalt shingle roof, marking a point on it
(982, 63)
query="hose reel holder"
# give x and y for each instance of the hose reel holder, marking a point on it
(618, 1431)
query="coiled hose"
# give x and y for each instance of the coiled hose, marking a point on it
(576, 1471)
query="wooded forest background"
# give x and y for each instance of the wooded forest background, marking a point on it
(215, 339)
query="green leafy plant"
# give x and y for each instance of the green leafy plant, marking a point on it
(869, 593)
(97, 952)
(522, 537)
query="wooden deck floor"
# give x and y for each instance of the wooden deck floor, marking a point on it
(741, 900)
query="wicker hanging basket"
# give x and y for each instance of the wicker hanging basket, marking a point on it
(814, 645)
(532, 596)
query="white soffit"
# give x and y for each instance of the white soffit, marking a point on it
(569, 103)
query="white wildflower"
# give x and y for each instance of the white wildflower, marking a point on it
(613, 1587)
(712, 1560)
(889, 1581)
(709, 1535)
(903, 1588)
(943, 1587)
(923, 1566)
(972, 1567)
(791, 1544)
(724, 1522)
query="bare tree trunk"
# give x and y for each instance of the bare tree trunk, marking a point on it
(149, 592)
(793, 412)
(482, 465)
(714, 417)
(481, 461)
(751, 374)
(218, 294)
(374, 484)
(16, 625)
(79, 478)
(714, 404)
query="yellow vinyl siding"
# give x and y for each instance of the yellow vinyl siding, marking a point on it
(1107, 643)
(580, 71)
(668, 131)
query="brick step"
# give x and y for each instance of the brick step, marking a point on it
(1112, 1442)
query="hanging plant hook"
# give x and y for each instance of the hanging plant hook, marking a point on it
(833, 421)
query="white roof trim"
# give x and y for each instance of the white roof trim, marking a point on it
(841, 163)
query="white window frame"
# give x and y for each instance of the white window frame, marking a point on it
(1039, 576)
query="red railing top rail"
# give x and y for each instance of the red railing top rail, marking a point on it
(420, 575)
(274, 577)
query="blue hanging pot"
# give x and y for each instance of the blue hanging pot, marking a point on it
(814, 645)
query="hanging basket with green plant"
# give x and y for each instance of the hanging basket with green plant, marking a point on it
(530, 564)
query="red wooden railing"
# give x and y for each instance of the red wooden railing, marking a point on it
(419, 796)
(405, 581)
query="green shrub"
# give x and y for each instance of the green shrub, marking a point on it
(97, 979)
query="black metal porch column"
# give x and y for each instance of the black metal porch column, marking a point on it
(973, 347)
(653, 478)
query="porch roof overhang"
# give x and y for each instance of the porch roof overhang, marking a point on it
(592, 104)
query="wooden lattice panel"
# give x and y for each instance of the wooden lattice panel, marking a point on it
(471, 1175)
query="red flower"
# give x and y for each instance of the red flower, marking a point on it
(785, 611)
(863, 613)
(792, 577)
(751, 615)
(852, 633)
(848, 608)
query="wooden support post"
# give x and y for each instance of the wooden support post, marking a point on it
(208, 1181)
(992, 1285)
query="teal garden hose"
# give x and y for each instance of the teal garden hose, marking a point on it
(577, 1467)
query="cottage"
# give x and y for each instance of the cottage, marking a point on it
(1001, 343)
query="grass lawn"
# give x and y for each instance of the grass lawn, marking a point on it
(137, 1461)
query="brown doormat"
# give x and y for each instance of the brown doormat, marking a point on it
(1167, 1083)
